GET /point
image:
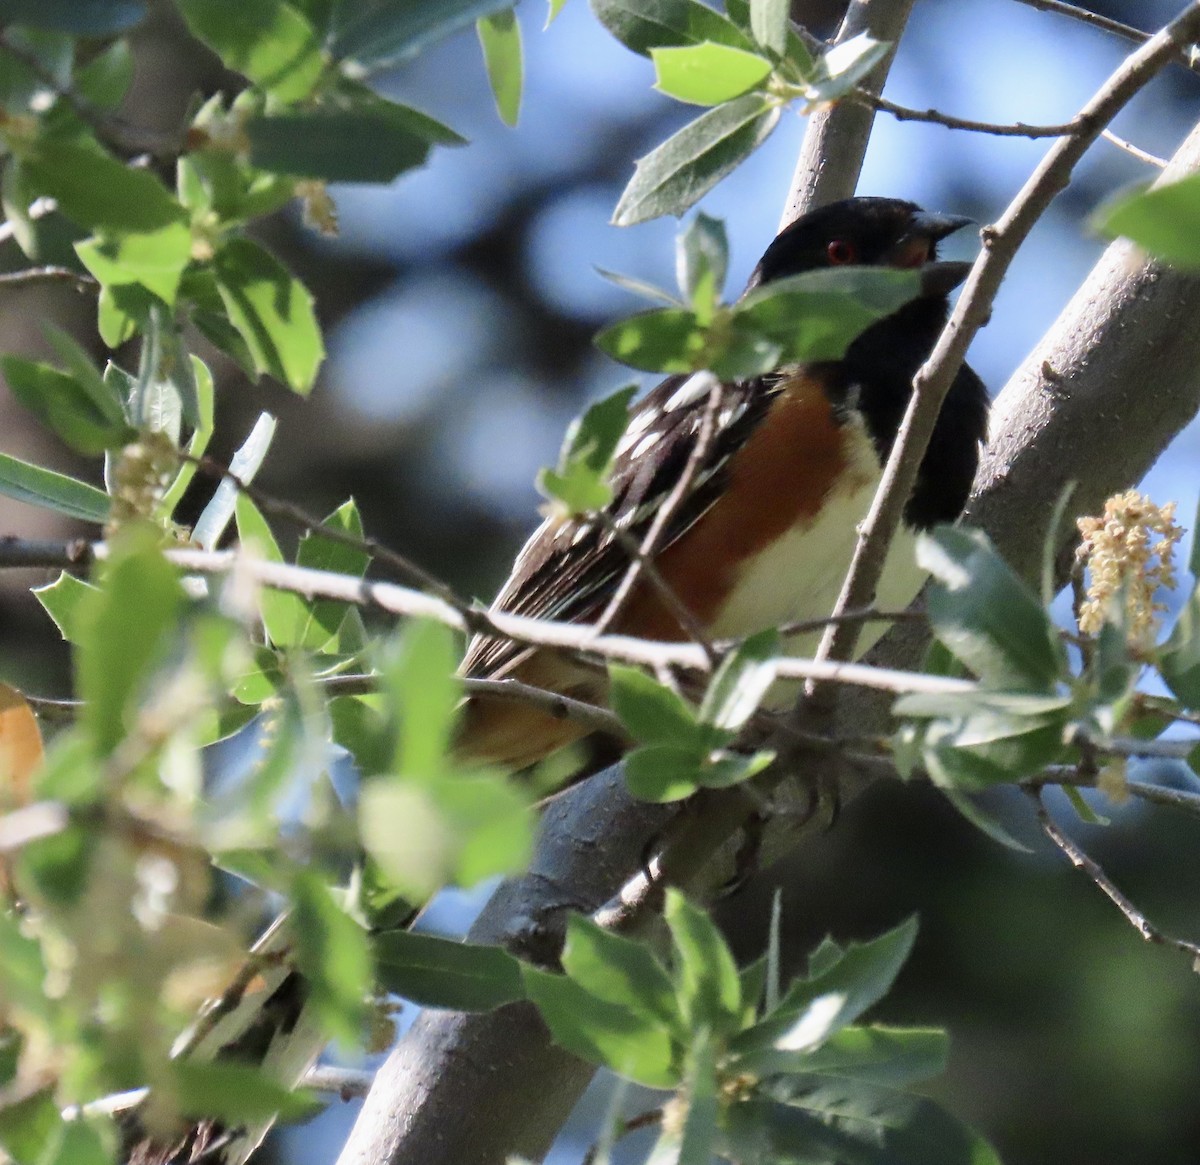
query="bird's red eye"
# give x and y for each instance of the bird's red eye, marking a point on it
(840, 252)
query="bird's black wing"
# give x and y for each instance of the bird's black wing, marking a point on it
(569, 568)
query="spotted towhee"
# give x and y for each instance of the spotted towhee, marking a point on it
(765, 535)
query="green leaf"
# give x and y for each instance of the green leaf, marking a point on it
(688, 164)
(325, 616)
(439, 972)
(620, 971)
(642, 25)
(79, 1144)
(420, 679)
(881, 1055)
(79, 17)
(268, 41)
(732, 768)
(663, 340)
(29, 1125)
(555, 7)
(124, 628)
(104, 395)
(984, 821)
(692, 1144)
(1164, 220)
(333, 954)
(651, 711)
(285, 615)
(769, 23)
(986, 615)
(708, 73)
(154, 259)
(52, 491)
(812, 1009)
(701, 261)
(664, 772)
(371, 140)
(579, 483)
(234, 1093)
(425, 834)
(741, 682)
(272, 311)
(814, 316)
(834, 1119)
(61, 600)
(64, 404)
(1179, 660)
(500, 39)
(106, 78)
(600, 1032)
(1194, 555)
(708, 987)
(378, 32)
(97, 191)
(639, 287)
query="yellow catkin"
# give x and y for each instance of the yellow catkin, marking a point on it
(1129, 555)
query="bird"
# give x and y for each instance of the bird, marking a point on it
(767, 531)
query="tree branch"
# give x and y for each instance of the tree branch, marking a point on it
(835, 143)
(1082, 861)
(1015, 130)
(1001, 242)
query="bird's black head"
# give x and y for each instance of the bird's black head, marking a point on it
(865, 231)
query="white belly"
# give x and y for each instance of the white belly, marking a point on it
(801, 575)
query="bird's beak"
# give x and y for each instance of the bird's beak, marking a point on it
(941, 278)
(931, 225)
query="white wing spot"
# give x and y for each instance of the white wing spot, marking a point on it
(638, 424)
(691, 390)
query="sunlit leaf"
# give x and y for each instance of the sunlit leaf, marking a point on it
(269, 41)
(500, 39)
(1164, 220)
(273, 312)
(708, 73)
(687, 165)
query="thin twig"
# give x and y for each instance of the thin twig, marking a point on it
(1164, 796)
(50, 708)
(47, 275)
(590, 716)
(1134, 151)
(348, 1083)
(290, 512)
(1081, 861)
(21, 553)
(1086, 16)
(642, 1120)
(866, 615)
(1014, 130)
(666, 513)
(1001, 242)
(683, 614)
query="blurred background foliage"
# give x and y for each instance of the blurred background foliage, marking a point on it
(459, 305)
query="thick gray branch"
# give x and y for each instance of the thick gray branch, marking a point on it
(835, 143)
